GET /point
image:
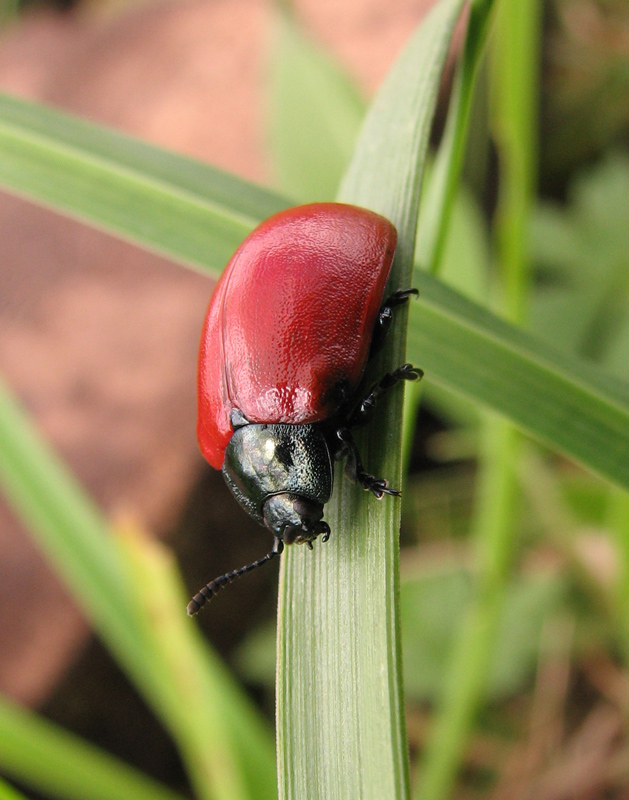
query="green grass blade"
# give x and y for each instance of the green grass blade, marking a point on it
(166, 202)
(42, 755)
(9, 793)
(496, 516)
(442, 187)
(71, 530)
(220, 732)
(393, 147)
(341, 730)
(464, 680)
(77, 540)
(514, 391)
(560, 400)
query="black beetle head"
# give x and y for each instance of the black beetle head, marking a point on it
(282, 476)
(294, 519)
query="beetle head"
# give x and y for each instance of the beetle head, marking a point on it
(295, 519)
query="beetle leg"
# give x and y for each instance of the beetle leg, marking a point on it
(356, 472)
(364, 411)
(385, 317)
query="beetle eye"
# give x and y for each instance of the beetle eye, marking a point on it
(308, 511)
(291, 534)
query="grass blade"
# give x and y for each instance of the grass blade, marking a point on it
(560, 400)
(496, 514)
(9, 793)
(59, 764)
(71, 530)
(166, 202)
(77, 539)
(442, 187)
(203, 704)
(225, 210)
(340, 720)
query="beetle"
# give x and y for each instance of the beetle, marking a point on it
(287, 335)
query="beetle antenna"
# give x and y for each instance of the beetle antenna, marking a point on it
(208, 591)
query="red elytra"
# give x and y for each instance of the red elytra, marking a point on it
(288, 329)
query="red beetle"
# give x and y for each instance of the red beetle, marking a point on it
(287, 336)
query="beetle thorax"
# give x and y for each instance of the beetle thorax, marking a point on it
(282, 476)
